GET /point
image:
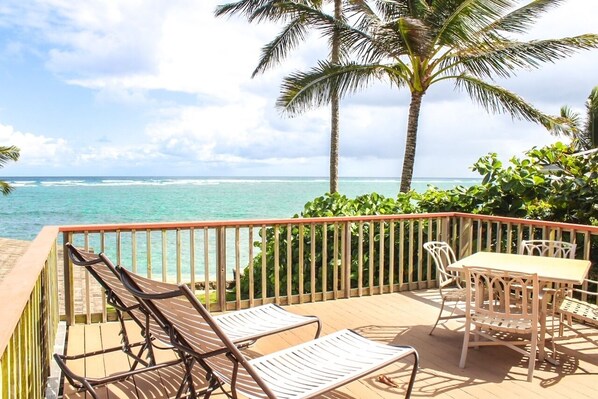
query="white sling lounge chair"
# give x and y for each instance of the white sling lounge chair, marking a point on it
(302, 371)
(243, 327)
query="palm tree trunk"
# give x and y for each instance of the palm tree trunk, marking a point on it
(334, 142)
(334, 107)
(411, 140)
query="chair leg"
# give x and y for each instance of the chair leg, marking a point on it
(532, 357)
(465, 345)
(413, 373)
(439, 316)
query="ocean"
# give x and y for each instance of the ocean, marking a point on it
(40, 201)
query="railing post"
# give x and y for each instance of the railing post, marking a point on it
(221, 267)
(69, 287)
(445, 226)
(347, 258)
(465, 234)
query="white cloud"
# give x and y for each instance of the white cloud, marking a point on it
(36, 150)
(125, 51)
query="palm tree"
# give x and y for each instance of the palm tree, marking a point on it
(289, 37)
(7, 154)
(583, 135)
(417, 43)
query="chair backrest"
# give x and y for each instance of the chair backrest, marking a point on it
(484, 284)
(194, 330)
(105, 273)
(443, 256)
(556, 249)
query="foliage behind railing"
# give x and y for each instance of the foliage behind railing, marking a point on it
(231, 265)
(29, 318)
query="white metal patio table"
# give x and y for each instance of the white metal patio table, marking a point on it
(549, 270)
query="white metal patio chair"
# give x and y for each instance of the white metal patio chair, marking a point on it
(556, 249)
(302, 371)
(487, 316)
(566, 305)
(449, 283)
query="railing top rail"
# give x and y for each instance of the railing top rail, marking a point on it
(246, 222)
(541, 223)
(318, 220)
(17, 285)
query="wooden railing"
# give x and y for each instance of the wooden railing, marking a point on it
(238, 264)
(29, 319)
(299, 260)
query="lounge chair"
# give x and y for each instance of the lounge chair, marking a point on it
(102, 269)
(302, 371)
(244, 326)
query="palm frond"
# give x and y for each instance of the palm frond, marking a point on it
(498, 100)
(243, 7)
(566, 124)
(10, 153)
(288, 39)
(459, 21)
(5, 188)
(504, 57)
(522, 19)
(263, 10)
(591, 128)
(304, 90)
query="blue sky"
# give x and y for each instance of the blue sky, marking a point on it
(161, 87)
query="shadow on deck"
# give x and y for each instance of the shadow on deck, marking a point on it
(400, 318)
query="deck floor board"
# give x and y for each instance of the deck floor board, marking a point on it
(400, 319)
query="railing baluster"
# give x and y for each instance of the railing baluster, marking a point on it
(87, 282)
(206, 270)
(347, 257)
(276, 265)
(148, 239)
(371, 258)
(335, 262)
(192, 259)
(134, 251)
(164, 255)
(401, 254)
(118, 248)
(509, 238)
(342, 258)
(264, 273)
(312, 255)
(289, 264)
(381, 258)
(360, 259)
(251, 278)
(301, 261)
(411, 233)
(391, 257)
(179, 269)
(420, 260)
(237, 268)
(324, 260)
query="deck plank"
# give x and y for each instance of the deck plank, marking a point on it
(75, 345)
(405, 319)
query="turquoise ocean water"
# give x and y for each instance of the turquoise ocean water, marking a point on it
(40, 201)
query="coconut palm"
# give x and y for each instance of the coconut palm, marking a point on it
(570, 123)
(7, 154)
(414, 44)
(294, 31)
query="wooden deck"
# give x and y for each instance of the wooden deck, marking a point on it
(403, 319)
